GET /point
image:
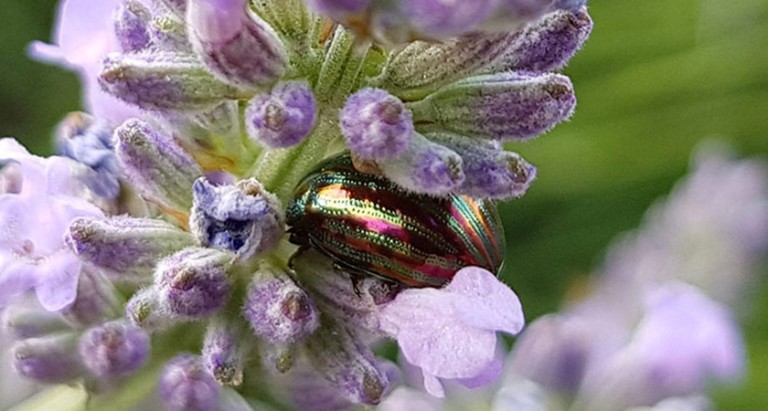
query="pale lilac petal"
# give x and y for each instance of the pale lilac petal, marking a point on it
(488, 375)
(15, 277)
(56, 285)
(406, 399)
(433, 386)
(485, 302)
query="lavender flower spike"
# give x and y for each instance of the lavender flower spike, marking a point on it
(376, 124)
(499, 106)
(185, 385)
(432, 325)
(156, 164)
(114, 350)
(193, 283)
(125, 248)
(283, 117)
(234, 43)
(277, 309)
(243, 218)
(225, 351)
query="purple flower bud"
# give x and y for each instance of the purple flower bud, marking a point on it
(87, 140)
(278, 310)
(441, 19)
(51, 359)
(347, 363)
(145, 310)
(242, 218)
(125, 248)
(425, 167)
(114, 349)
(282, 117)
(25, 318)
(224, 353)
(234, 43)
(163, 80)
(498, 106)
(421, 67)
(185, 385)
(193, 282)
(156, 164)
(131, 20)
(338, 9)
(96, 299)
(546, 44)
(490, 172)
(376, 124)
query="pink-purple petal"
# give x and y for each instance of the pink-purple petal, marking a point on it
(485, 302)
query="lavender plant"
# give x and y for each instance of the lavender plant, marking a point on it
(155, 242)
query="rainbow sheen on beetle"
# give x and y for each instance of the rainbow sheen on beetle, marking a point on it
(368, 225)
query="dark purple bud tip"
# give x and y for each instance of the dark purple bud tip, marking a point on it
(114, 349)
(193, 282)
(376, 124)
(282, 117)
(185, 385)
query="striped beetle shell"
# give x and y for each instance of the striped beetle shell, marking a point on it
(368, 225)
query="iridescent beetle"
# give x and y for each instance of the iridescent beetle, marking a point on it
(368, 225)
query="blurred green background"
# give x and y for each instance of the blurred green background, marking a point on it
(656, 77)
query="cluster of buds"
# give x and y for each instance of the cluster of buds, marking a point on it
(237, 101)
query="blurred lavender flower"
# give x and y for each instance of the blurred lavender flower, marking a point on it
(83, 36)
(41, 197)
(239, 101)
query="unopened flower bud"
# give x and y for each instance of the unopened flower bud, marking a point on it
(125, 248)
(163, 80)
(167, 32)
(421, 67)
(25, 318)
(185, 385)
(376, 124)
(283, 117)
(114, 349)
(50, 359)
(425, 167)
(512, 15)
(490, 172)
(145, 310)
(193, 282)
(131, 20)
(547, 44)
(177, 6)
(234, 43)
(499, 106)
(243, 218)
(96, 299)
(278, 310)
(224, 352)
(346, 363)
(156, 164)
(88, 141)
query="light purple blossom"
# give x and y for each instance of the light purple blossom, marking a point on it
(34, 219)
(376, 124)
(83, 36)
(283, 117)
(451, 332)
(114, 350)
